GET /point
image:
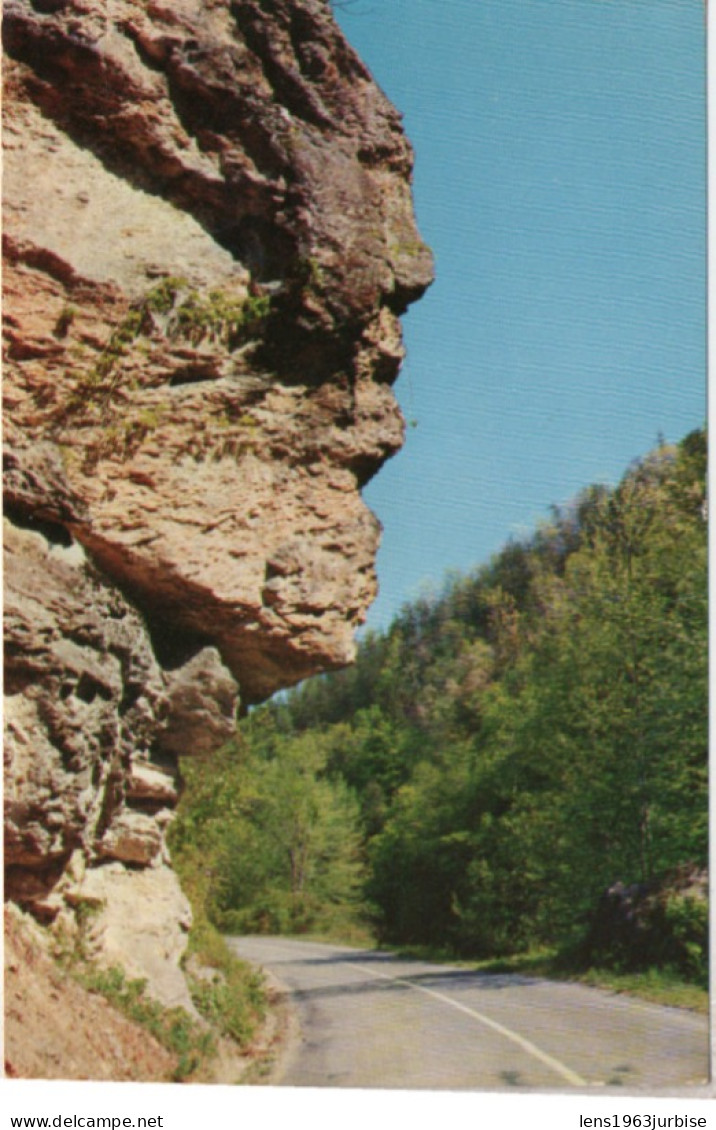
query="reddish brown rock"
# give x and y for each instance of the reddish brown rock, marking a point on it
(216, 431)
(208, 241)
(54, 1029)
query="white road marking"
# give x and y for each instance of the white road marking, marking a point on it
(526, 1045)
(561, 1069)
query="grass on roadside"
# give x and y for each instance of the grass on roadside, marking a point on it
(191, 1043)
(227, 992)
(660, 986)
(353, 935)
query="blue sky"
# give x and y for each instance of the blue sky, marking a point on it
(560, 180)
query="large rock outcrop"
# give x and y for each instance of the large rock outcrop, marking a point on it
(209, 236)
(208, 241)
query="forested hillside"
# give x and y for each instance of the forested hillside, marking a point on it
(497, 759)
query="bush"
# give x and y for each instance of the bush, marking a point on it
(686, 936)
(229, 994)
(662, 924)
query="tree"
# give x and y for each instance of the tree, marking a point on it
(291, 862)
(506, 750)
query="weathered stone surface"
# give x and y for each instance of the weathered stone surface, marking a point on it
(132, 837)
(203, 700)
(244, 148)
(147, 783)
(35, 484)
(141, 924)
(54, 1029)
(83, 695)
(208, 241)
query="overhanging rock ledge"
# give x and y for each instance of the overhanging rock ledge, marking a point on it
(208, 241)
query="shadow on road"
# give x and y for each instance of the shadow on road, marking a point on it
(450, 981)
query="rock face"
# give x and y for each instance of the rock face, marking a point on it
(56, 1030)
(209, 236)
(84, 696)
(208, 241)
(203, 700)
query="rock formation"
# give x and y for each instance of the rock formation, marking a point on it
(208, 241)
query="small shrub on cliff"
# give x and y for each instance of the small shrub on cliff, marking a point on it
(170, 309)
(311, 275)
(65, 318)
(219, 317)
(161, 298)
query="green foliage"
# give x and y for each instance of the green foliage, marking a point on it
(72, 947)
(177, 1031)
(219, 317)
(65, 319)
(310, 274)
(663, 924)
(227, 992)
(536, 731)
(173, 1028)
(660, 985)
(173, 310)
(229, 1002)
(162, 297)
(506, 751)
(268, 839)
(409, 248)
(686, 930)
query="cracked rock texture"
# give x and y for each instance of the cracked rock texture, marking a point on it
(208, 241)
(241, 151)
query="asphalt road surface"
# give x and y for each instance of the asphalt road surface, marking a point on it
(367, 1019)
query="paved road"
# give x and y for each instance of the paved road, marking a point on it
(368, 1019)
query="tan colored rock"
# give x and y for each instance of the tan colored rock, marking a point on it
(147, 783)
(203, 701)
(55, 1029)
(132, 837)
(141, 925)
(246, 151)
(208, 241)
(108, 230)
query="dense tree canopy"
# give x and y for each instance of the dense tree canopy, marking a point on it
(506, 750)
